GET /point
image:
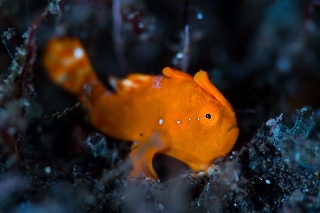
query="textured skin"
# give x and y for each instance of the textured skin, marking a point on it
(174, 114)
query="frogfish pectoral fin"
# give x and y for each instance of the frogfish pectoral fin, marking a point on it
(142, 155)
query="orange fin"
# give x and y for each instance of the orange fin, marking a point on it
(68, 64)
(173, 73)
(130, 83)
(202, 79)
(142, 154)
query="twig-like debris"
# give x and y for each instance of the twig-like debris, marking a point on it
(186, 37)
(116, 35)
(181, 59)
(31, 48)
(63, 113)
(6, 36)
(186, 48)
(17, 87)
(186, 13)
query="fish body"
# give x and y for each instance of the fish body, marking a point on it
(176, 114)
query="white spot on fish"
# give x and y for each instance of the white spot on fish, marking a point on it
(78, 53)
(189, 119)
(156, 82)
(178, 122)
(198, 118)
(160, 121)
(128, 83)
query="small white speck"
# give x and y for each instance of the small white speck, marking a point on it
(179, 55)
(78, 52)
(156, 82)
(135, 143)
(198, 119)
(128, 83)
(189, 119)
(160, 121)
(47, 169)
(178, 122)
(161, 207)
(140, 25)
(200, 16)
(26, 103)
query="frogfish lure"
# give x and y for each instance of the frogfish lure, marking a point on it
(175, 114)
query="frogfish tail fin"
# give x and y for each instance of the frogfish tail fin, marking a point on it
(68, 65)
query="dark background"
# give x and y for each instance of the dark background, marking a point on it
(262, 55)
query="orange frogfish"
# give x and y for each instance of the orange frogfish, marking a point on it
(175, 114)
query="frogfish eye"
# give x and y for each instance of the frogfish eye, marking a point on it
(208, 116)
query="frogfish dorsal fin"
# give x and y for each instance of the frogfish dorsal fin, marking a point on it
(202, 79)
(173, 73)
(131, 83)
